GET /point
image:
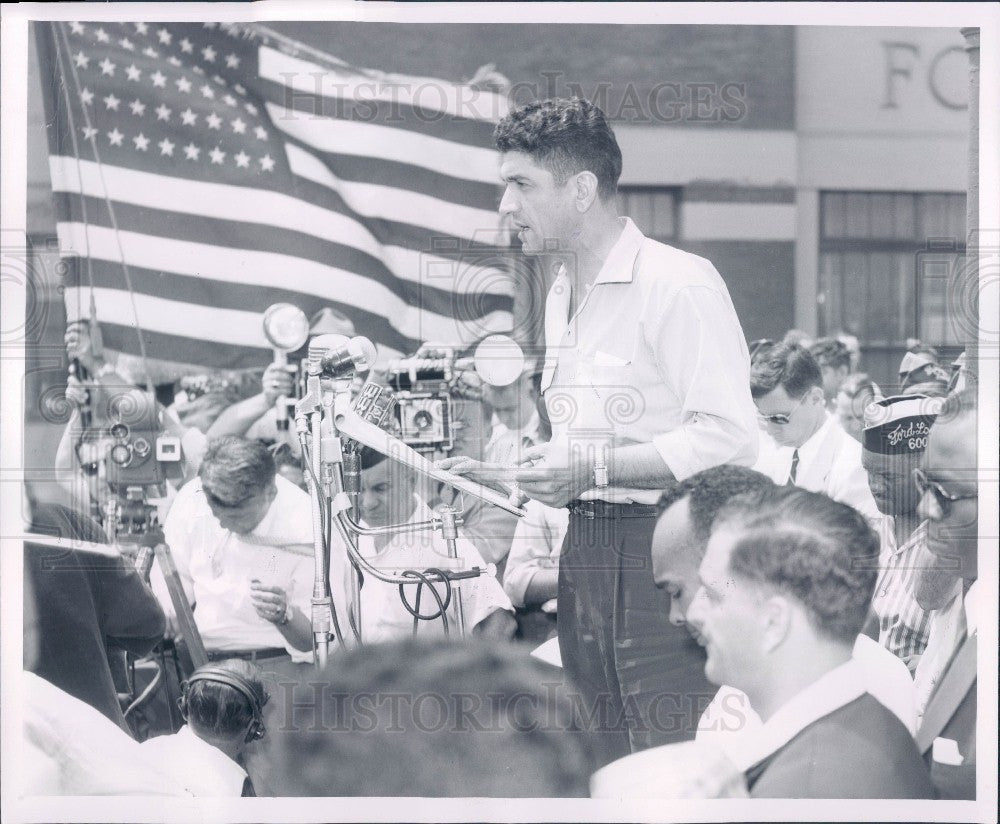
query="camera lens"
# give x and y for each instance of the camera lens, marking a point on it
(141, 447)
(423, 420)
(119, 431)
(121, 454)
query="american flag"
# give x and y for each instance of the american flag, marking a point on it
(205, 171)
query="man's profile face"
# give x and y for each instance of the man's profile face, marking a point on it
(386, 494)
(676, 551)
(725, 612)
(850, 411)
(801, 414)
(246, 516)
(950, 461)
(890, 479)
(540, 210)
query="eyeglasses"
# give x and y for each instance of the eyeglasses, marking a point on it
(941, 495)
(782, 418)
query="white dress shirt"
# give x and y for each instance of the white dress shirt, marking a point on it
(829, 462)
(199, 768)
(383, 616)
(537, 544)
(654, 354)
(216, 566)
(730, 717)
(70, 748)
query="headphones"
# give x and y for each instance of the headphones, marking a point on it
(242, 685)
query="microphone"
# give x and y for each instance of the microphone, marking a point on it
(281, 403)
(356, 355)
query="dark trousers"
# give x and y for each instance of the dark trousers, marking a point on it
(637, 680)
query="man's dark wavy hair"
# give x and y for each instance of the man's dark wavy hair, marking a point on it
(787, 365)
(565, 136)
(820, 552)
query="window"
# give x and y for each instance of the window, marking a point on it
(885, 258)
(653, 210)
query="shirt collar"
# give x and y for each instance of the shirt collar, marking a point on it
(828, 693)
(619, 265)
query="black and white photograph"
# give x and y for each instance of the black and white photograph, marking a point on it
(499, 412)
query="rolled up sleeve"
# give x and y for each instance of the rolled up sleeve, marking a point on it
(701, 354)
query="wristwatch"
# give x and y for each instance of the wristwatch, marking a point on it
(601, 475)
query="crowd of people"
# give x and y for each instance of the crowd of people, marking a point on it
(761, 551)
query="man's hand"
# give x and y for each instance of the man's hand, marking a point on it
(554, 474)
(76, 392)
(277, 382)
(487, 474)
(270, 602)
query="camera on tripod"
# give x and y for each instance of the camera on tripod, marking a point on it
(140, 453)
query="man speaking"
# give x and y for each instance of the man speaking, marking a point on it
(646, 382)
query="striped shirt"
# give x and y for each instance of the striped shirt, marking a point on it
(903, 625)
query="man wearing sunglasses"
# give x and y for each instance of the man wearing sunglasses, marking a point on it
(813, 450)
(945, 679)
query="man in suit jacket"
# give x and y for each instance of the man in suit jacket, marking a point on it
(813, 450)
(781, 602)
(949, 501)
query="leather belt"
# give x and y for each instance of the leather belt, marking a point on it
(606, 509)
(248, 654)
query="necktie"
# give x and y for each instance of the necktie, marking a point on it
(556, 322)
(795, 468)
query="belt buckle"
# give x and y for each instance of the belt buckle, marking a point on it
(586, 509)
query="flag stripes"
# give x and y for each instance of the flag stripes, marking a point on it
(233, 188)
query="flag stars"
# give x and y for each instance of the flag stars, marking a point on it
(126, 44)
(250, 107)
(133, 72)
(188, 116)
(209, 54)
(164, 36)
(111, 102)
(81, 60)
(115, 137)
(166, 147)
(186, 46)
(198, 70)
(141, 28)
(174, 61)
(141, 142)
(107, 67)
(183, 84)
(239, 126)
(217, 156)
(232, 61)
(159, 79)
(229, 100)
(150, 52)
(162, 112)
(138, 107)
(260, 132)
(239, 89)
(89, 132)
(267, 163)
(191, 151)
(86, 96)
(242, 160)
(216, 78)
(76, 27)
(206, 91)
(102, 35)
(214, 121)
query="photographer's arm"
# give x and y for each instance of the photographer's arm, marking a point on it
(239, 417)
(66, 466)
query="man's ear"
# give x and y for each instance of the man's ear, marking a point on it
(585, 191)
(777, 616)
